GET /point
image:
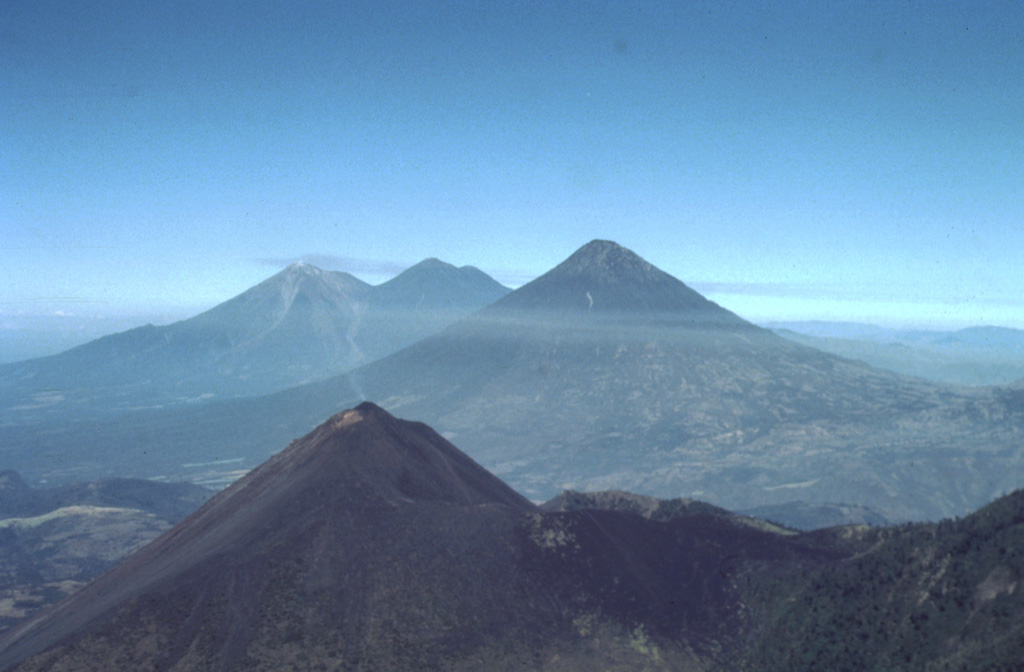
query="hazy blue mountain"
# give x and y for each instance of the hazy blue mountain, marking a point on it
(300, 325)
(806, 516)
(606, 373)
(972, 356)
(423, 300)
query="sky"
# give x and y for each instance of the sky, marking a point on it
(855, 161)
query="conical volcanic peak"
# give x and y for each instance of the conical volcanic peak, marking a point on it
(305, 275)
(359, 460)
(604, 258)
(322, 498)
(366, 457)
(317, 295)
(603, 277)
(431, 263)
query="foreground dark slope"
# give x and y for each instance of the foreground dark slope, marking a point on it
(608, 373)
(300, 325)
(942, 596)
(930, 596)
(374, 544)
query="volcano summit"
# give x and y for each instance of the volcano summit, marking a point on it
(374, 544)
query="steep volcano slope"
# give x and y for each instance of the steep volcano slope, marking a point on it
(300, 325)
(373, 543)
(606, 373)
(264, 339)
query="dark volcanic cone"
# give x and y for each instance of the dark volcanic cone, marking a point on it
(374, 544)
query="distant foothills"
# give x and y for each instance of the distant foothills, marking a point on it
(603, 373)
(971, 356)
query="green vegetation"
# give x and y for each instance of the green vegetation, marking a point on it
(945, 596)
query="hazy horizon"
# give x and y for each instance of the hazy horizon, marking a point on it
(26, 334)
(790, 161)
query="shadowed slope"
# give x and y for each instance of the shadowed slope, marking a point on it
(372, 543)
(938, 596)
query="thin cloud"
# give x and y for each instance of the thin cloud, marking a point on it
(335, 263)
(754, 288)
(383, 267)
(948, 293)
(511, 277)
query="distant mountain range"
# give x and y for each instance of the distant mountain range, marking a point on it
(300, 325)
(373, 543)
(972, 356)
(607, 373)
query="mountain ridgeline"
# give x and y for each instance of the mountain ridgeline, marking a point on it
(607, 373)
(373, 543)
(971, 356)
(300, 325)
(603, 279)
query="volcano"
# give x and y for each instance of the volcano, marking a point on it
(606, 373)
(300, 325)
(373, 543)
(603, 278)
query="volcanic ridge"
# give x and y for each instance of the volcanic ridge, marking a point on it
(606, 373)
(373, 543)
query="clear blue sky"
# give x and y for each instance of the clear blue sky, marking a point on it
(845, 161)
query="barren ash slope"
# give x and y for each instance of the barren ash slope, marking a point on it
(374, 544)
